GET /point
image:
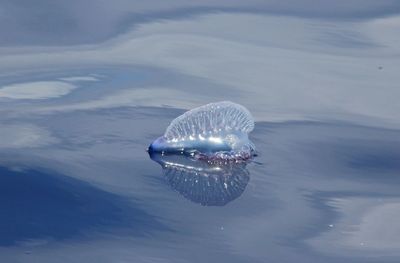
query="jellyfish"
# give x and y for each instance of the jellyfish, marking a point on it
(216, 132)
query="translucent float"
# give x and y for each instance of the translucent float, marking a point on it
(214, 132)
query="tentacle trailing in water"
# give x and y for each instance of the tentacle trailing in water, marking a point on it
(216, 131)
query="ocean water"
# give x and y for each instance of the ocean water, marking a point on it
(85, 88)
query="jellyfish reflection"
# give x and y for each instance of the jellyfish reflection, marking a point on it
(201, 182)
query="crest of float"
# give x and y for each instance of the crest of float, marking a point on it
(213, 132)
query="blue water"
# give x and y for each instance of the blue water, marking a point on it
(85, 88)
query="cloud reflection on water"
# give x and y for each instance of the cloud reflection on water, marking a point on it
(285, 68)
(286, 61)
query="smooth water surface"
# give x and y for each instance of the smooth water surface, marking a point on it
(85, 88)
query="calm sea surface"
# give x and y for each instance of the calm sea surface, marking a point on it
(86, 87)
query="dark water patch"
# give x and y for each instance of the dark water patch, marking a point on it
(346, 39)
(385, 160)
(330, 149)
(38, 205)
(362, 158)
